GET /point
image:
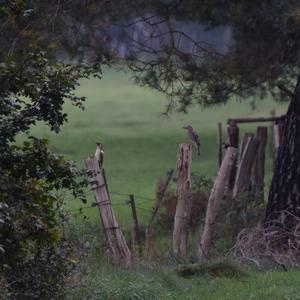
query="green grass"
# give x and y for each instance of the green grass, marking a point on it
(162, 283)
(140, 144)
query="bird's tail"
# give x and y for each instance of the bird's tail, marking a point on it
(198, 149)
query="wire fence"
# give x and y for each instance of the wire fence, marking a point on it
(139, 200)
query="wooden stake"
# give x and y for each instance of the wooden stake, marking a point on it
(232, 141)
(219, 144)
(243, 176)
(136, 230)
(214, 201)
(247, 136)
(278, 129)
(181, 222)
(259, 164)
(118, 249)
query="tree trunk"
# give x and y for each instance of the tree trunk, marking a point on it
(284, 192)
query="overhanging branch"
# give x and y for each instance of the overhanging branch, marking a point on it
(285, 90)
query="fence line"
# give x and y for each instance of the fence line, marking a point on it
(123, 203)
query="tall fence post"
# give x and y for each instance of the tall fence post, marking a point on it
(214, 201)
(278, 129)
(259, 164)
(243, 176)
(136, 230)
(118, 249)
(182, 215)
(232, 141)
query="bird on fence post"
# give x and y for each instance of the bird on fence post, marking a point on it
(99, 154)
(194, 137)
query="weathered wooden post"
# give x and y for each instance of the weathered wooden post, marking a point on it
(247, 136)
(219, 145)
(232, 141)
(214, 201)
(182, 215)
(259, 164)
(278, 128)
(245, 166)
(118, 249)
(136, 230)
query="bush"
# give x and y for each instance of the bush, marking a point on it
(34, 257)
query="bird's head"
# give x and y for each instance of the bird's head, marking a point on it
(99, 144)
(188, 127)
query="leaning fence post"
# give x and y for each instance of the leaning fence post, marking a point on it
(118, 249)
(182, 215)
(214, 201)
(219, 144)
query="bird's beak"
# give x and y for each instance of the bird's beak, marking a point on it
(184, 127)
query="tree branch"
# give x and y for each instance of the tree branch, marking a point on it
(285, 90)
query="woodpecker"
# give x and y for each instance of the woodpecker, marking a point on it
(99, 154)
(194, 137)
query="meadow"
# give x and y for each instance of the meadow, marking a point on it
(140, 145)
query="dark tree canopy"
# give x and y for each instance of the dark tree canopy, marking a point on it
(194, 51)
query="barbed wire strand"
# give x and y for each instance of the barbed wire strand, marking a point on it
(146, 199)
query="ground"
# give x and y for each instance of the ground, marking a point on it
(140, 145)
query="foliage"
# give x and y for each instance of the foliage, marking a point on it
(33, 180)
(246, 65)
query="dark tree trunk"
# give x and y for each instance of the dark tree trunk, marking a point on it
(284, 192)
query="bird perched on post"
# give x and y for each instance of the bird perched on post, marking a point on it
(99, 154)
(194, 137)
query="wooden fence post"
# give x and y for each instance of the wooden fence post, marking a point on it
(219, 145)
(214, 201)
(182, 215)
(118, 249)
(259, 164)
(243, 176)
(232, 141)
(247, 136)
(278, 128)
(136, 230)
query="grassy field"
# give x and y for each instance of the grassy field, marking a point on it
(140, 144)
(162, 283)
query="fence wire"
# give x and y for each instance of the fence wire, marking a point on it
(138, 200)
